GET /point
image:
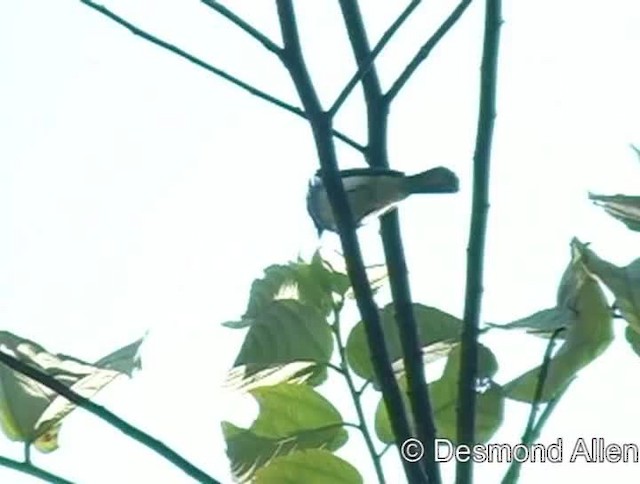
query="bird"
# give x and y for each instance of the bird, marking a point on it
(372, 192)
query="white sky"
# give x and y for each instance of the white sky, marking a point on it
(139, 192)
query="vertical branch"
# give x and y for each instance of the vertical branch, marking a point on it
(377, 114)
(320, 123)
(475, 252)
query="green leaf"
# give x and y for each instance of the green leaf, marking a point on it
(624, 282)
(285, 339)
(320, 275)
(586, 339)
(291, 418)
(247, 377)
(489, 410)
(542, 323)
(438, 331)
(633, 338)
(31, 412)
(314, 466)
(124, 360)
(312, 284)
(277, 279)
(625, 208)
(286, 331)
(444, 400)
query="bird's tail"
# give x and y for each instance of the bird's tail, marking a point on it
(435, 180)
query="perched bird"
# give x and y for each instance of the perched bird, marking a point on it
(374, 191)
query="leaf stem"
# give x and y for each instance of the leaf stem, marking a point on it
(355, 397)
(542, 378)
(532, 430)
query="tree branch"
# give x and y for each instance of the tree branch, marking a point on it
(528, 437)
(107, 416)
(542, 378)
(513, 473)
(214, 70)
(240, 22)
(32, 470)
(426, 49)
(466, 416)
(364, 67)
(377, 113)
(321, 126)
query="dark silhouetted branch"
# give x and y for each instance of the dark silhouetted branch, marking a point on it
(321, 127)
(214, 70)
(30, 469)
(365, 66)
(107, 416)
(532, 430)
(466, 416)
(240, 22)
(377, 113)
(426, 49)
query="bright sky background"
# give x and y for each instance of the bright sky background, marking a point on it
(138, 192)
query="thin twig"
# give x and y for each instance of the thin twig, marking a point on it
(513, 473)
(384, 451)
(244, 25)
(214, 70)
(32, 470)
(364, 67)
(27, 452)
(542, 378)
(321, 127)
(355, 397)
(546, 413)
(107, 416)
(466, 415)
(335, 368)
(377, 114)
(426, 49)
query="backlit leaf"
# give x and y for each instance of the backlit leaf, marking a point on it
(585, 339)
(313, 466)
(284, 332)
(313, 284)
(444, 400)
(438, 330)
(31, 412)
(291, 418)
(625, 208)
(624, 282)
